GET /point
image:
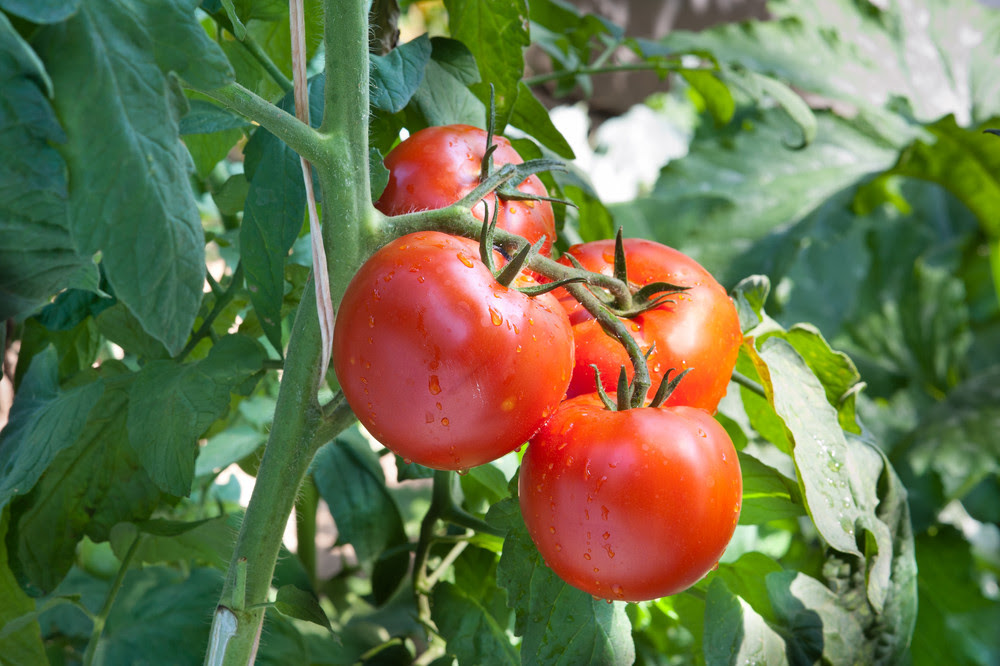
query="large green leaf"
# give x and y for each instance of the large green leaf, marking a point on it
(275, 209)
(497, 34)
(736, 187)
(470, 630)
(443, 97)
(736, 634)
(559, 623)
(41, 11)
(171, 405)
(966, 162)
(938, 55)
(397, 75)
(22, 647)
(130, 196)
(90, 485)
(155, 606)
(43, 422)
(37, 255)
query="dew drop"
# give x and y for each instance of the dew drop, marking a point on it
(586, 556)
(552, 529)
(558, 547)
(371, 321)
(606, 536)
(611, 553)
(495, 317)
(604, 512)
(463, 471)
(445, 421)
(434, 385)
(465, 259)
(407, 461)
(618, 591)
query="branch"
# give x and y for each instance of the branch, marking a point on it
(301, 138)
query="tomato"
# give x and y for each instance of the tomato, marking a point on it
(440, 362)
(699, 330)
(630, 505)
(437, 166)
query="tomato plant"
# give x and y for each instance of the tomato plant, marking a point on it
(634, 504)
(696, 329)
(443, 364)
(437, 166)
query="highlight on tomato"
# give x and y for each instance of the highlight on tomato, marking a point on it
(630, 505)
(697, 329)
(436, 166)
(440, 362)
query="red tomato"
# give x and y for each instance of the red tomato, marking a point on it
(630, 505)
(440, 362)
(437, 166)
(699, 330)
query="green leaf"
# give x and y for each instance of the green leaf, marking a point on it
(302, 605)
(443, 97)
(91, 484)
(939, 57)
(125, 161)
(797, 109)
(172, 404)
(41, 11)
(966, 162)
(43, 422)
(275, 210)
(155, 606)
(497, 34)
(227, 447)
(715, 94)
(120, 326)
(23, 646)
(397, 75)
(956, 439)
(209, 541)
(767, 493)
(181, 46)
(37, 254)
(815, 623)
(736, 634)
(350, 480)
(204, 117)
(470, 631)
(559, 623)
(736, 186)
(957, 621)
(531, 116)
(835, 370)
(749, 296)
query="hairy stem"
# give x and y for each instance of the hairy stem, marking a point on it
(101, 619)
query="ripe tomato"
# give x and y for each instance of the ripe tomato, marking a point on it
(440, 362)
(437, 166)
(630, 505)
(699, 330)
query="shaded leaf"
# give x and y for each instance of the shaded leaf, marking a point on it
(736, 634)
(397, 75)
(302, 605)
(559, 623)
(20, 646)
(471, 631)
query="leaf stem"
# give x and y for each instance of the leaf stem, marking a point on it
(260, 55)
(101, 619)
(299, 136)
(221, 301)
(746, 382)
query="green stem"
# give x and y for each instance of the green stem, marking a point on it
(101, 619)
(301, 138)
(746, 382)
(306, 505)
(603, 69)
(220, 304)
(290, 448)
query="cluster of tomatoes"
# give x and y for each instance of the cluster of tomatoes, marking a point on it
(450, 367)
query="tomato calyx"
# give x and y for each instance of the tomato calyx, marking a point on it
(626, 395)
(513, 268)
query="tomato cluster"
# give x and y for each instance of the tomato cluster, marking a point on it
(450, 367)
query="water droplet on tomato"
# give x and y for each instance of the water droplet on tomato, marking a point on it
(445, 421)
(606, 536)
(618, 591)
(600, 482)
(596, 570)
(420, 279)
(552, 529)
(463, 471)
(371, 321)
(611, 553)
(428, 418)
(702, 433)
(517, 350)
(495, 317)
(586, 556)
(604, 512)
(433, 385)
(465, 259)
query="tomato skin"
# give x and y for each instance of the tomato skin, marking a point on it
(699, 330)
(631, 505)
(437, 166)
(442, 364)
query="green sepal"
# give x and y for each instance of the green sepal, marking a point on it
(667, 387)
(620, 269)
(624, 391)
(486, 236)
(602, 394)
(510, 271)
(540, 289)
